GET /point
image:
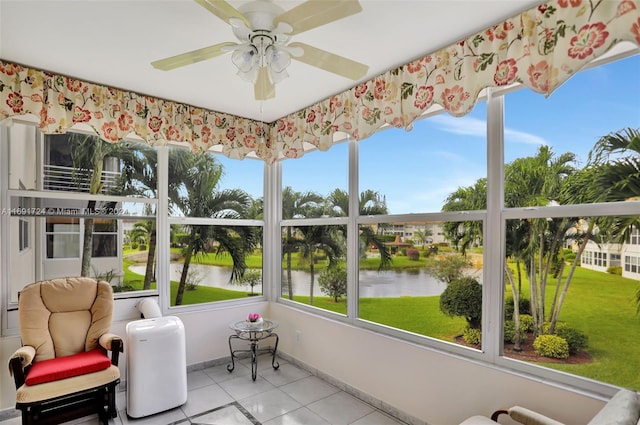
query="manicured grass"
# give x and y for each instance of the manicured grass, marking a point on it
(602, 305)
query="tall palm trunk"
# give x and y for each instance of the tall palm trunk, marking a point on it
(289, 282)
(533, 285)
(516, 309)
(185, 268)
(555, 314)
(151, 256)
(312, 271)
(87, 243)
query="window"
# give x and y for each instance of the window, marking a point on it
(204, 270)
(105, 238)
(73, 218)
(313, 267)
(24, 224)
(216, 227)
(314, 232)
(631, 264)
(406, 265)
(558, 183)
(634, 236)
(63, 237)
(419, 171)
(23, 236)
(423, 284)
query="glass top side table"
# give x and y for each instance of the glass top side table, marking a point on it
(253, 333)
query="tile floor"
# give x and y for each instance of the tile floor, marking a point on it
(287, 396)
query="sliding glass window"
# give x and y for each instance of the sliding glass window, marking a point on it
(216, 227)
(571, 219)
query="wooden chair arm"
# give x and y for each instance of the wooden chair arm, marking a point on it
(526, 416)
(113, 343)
(19, 363)
(497, 413)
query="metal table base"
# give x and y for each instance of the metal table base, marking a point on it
(254, 336)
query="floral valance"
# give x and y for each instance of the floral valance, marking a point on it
(540, 48)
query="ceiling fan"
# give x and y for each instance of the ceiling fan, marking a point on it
(264, 52)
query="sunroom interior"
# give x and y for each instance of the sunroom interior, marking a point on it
(476, 83)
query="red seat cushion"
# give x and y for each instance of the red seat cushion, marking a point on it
(68, 366)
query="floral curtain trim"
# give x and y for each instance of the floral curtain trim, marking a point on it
(61, 102)
(540, 48)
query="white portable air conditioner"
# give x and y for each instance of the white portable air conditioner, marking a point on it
(156, 365)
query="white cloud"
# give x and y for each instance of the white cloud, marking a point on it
(516, 136)
(468, 126)
(464, 125)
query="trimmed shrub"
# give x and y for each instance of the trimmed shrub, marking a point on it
(617, 270)
(509, 334)
(333, 282)
(463, 297)
(524, 306)
(142, 247)
(472, 336)
(413, 254)
(551, 346)
(576, 339)
(526, 322)
(569, 255)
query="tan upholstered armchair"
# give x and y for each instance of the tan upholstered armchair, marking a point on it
(62, 371)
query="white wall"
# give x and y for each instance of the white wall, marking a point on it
(434, 387)
(22, 174)
(426, 384)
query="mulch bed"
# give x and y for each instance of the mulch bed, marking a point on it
(528, 354)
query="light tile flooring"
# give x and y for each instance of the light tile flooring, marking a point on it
(286, 396)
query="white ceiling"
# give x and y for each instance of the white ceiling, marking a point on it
(113, 42)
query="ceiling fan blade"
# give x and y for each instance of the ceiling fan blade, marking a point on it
(223, 10)
(264, 89)
(330, 62)
(313, 13)
(194, 56)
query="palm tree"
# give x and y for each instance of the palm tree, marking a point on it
(369, 203)
(147, 230)
(463, 234)
(296, 205)
(319, 238)
(198, 176)
(538, 181)
(616, 159)
(88, 154)
(537, 243)
(139, 177)
(423, 235)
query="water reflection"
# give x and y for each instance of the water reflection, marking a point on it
(388, 283)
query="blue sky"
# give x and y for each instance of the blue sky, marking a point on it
(416, 170)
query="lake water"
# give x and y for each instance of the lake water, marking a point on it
(373, 284)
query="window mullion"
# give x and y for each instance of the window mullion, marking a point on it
(493, 240)
(163, 252)
(353, 239)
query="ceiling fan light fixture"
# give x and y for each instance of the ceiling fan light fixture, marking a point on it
(250, 75)
(245, 58)
(277, 58)
(264, 52)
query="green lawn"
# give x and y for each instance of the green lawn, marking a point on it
(602, 305)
